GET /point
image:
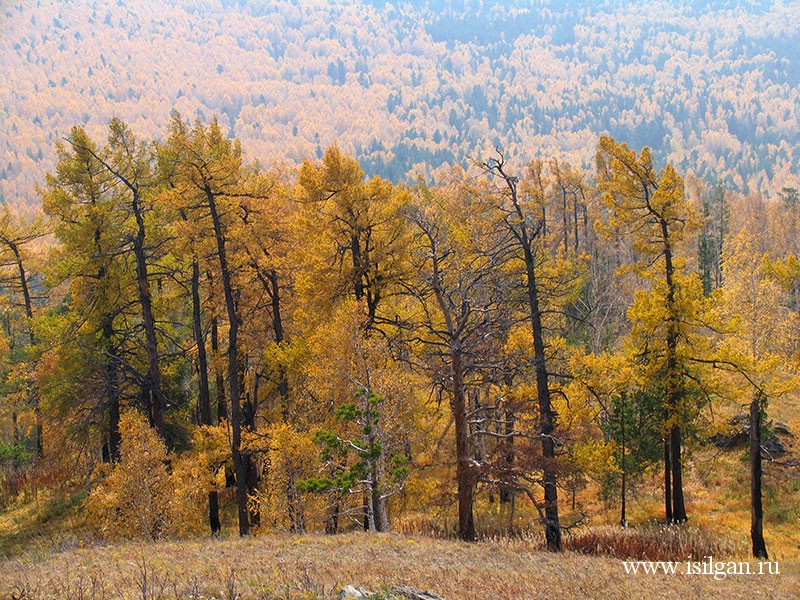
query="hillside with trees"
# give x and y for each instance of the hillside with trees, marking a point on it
(521, 276)
(712, 87)
(217, 345)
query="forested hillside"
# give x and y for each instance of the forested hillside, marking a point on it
(455, 268)
(710, 86)
(204, 344)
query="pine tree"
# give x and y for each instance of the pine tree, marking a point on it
(651, 208)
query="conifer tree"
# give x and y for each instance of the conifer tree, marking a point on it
(651, 208)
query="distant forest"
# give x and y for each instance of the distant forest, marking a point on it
(712, 87)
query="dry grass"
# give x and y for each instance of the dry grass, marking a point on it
(653, 542)
(54, 520)
(282, 566)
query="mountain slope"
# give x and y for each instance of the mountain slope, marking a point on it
(712, 87)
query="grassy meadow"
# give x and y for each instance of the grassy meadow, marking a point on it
(317, 566)
(49, 553)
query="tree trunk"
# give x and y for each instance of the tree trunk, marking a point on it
(546, 415)
(219, 379)
(623, 518)
(756, 506)
(464, 469)
(334, 507)
(378, 503)
(277, 326)
(111, 376)
(547, 419)
(26, 297)
(152, 384)
(204, 397)
(507, 491)
(249, 407)
(678, 506)
(213, 512)
(239, 464)
(667, 482)
(674, 387)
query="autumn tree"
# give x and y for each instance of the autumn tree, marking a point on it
(359, 240)
(458, 310)
(211, 178)
(365, 443)
(128, 168)
(359, 229)
(651, 208)
(191, 250)
(15, 237)
(756, 302)
(87, 222)
(149, 493)
(550, 272)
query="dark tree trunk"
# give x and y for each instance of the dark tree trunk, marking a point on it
(213, 512)
(204, 397)
(239, 464)
(667, 482)
(623, 518)
(249, 407)
(219, 379)
(152, 385)
(114, 436)
(678, 507)
(111, 377)
(546, 414)
(270, 282)
(756, 505)
(525, 237)
(465, 476)
(674, 387)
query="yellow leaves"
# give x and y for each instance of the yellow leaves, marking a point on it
(292, 458)
(211, 445)
(133, 499)
(601, 374)
(786, 271)
(520, 339)
(149, 493)
(597, 457)
(291, 454)
(338, 174)
(652, 207)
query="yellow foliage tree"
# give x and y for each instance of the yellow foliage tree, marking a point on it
(132, 498)
(149, 493)
(291, 459)
(651, 209)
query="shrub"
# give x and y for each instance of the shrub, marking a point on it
(132, 496)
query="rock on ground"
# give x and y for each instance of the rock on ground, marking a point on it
(400, 592)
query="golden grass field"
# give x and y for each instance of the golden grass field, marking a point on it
(317, 566)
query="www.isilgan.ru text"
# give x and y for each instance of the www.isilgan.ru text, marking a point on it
(708, 566)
